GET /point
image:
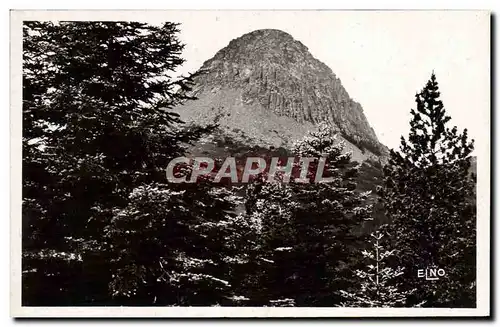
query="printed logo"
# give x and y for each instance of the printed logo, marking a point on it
(431, 273)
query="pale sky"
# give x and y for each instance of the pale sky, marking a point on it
(381, 58)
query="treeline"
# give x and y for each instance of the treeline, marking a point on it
(101, 225)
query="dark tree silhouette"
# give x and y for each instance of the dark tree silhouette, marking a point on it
(308, 234)
(96, 125)
(429, 193)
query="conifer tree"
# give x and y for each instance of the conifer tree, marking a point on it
(379, 283)
(429, 195)
(271, 272)
(177, 245)
(96, 126)
(308, 229)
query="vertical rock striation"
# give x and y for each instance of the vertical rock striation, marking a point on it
(268, 71)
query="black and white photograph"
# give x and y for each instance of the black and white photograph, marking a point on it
(267, 163)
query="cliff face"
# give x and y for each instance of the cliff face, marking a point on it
(268, 86)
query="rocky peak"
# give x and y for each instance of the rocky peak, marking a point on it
(270, 69)
(266, 46)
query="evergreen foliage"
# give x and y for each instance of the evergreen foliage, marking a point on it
(379, 283)
(101, 225)
(177, 246)
(96, 128)
(308, 229)
(429, 195)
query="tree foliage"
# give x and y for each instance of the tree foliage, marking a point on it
(429, 194)
(379, 283)
(102, 226)
(177, 246)
(308, 229)
(96, 126)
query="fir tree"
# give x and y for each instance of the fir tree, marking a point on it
(271, 272)
(379, 284)
(177, 245)
(96, 126)
(308, 229)
(429, 195)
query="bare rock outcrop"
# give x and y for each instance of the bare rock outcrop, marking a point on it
(267, 85)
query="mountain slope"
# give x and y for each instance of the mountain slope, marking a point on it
(265, 87)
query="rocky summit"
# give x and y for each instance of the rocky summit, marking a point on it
(266, 88)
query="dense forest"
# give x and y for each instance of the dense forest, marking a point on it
(101, 225)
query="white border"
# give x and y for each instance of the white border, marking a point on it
(240, 312)
(483, 214)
